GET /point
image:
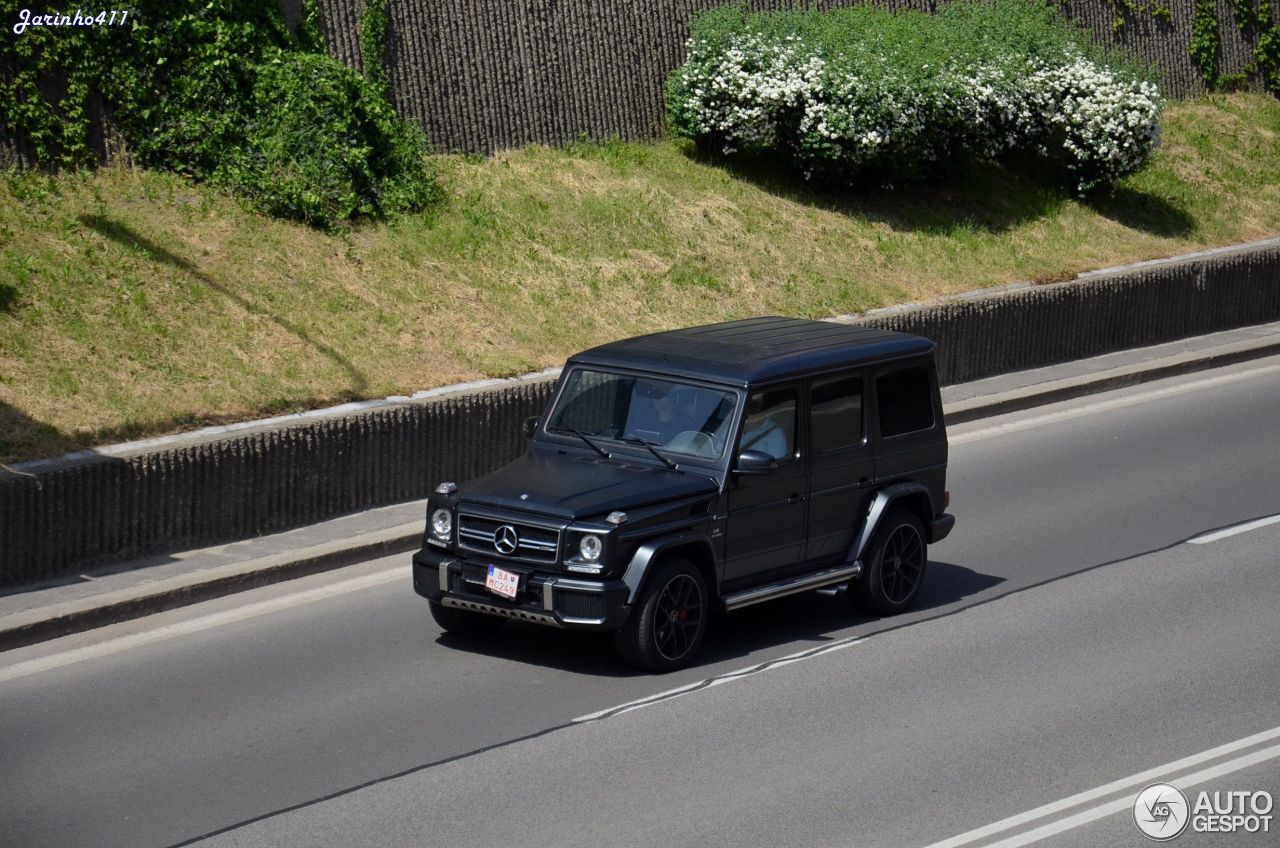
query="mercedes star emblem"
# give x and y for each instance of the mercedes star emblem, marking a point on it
(506, 540)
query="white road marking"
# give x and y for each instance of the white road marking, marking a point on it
(1130, 785)
(1206, 538)
(728, 676)
(1104, 406)
(195, 625)
(1126, 803)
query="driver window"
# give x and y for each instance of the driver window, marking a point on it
(591, 399)
(770, 424)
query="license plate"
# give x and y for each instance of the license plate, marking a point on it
(502, 582)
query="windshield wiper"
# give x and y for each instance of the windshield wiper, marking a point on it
(583, 436)
(636, 440)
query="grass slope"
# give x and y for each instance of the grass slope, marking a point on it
(132, 303)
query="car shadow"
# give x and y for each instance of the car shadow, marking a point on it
(814, 618)
(807, 619)
(575, 652)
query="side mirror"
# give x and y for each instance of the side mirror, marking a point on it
(530, 424)
(754, 462)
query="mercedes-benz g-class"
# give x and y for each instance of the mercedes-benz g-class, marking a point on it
(716, 466)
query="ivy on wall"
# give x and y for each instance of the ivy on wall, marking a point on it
(309, 35)
(1256, 23)
(1126, 9)
(373, 41)
(1205, 41)
(1254, 18)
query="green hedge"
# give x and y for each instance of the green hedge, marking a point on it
(861, 89)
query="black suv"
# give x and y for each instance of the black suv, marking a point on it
(715, 466)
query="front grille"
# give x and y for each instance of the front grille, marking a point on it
(534, 544)
(580, 604)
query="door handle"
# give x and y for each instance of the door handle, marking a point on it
(794, 498)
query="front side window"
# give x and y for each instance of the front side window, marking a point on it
(770, 425)
(670, 415)
(905, 400)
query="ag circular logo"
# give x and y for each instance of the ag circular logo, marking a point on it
(1161, 811)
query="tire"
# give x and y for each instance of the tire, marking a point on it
(896, 561)
(668, 621)
(464, 622)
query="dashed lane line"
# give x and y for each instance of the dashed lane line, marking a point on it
(1206, 538)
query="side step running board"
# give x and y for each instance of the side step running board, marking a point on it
(799, 583)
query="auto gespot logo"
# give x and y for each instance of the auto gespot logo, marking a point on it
(1162, 812)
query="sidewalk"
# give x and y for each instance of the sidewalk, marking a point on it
(142, 587)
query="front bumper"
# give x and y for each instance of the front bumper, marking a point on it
(550, 599)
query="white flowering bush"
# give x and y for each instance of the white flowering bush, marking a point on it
(860, 89)
(1100, 124)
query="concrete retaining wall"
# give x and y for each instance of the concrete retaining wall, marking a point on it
(59, 516)
(1033, 326)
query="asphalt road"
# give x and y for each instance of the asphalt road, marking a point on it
(1028, 675)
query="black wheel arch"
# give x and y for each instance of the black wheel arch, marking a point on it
(908, 495)
(918, 502)
(695, 547)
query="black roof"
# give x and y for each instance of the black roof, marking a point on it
(756, 349)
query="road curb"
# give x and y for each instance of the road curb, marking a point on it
(43, 624)
(1033, 396)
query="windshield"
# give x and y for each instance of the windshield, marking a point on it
(671, 416)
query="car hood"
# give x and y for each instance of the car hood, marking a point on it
(574, 487)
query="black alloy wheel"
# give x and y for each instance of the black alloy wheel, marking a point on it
(894, 566)
(678, 621)
(668, 620)
(902, 564)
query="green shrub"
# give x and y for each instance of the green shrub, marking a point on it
(860, 89)
(182, 105)
(323, 146)
(219, 90)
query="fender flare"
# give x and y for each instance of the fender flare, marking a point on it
(652, 550)
(880, 504)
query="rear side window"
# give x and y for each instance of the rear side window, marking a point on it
(905, 400)
(835, 409)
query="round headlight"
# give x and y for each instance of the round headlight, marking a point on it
(441, 523)
(590, 548)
